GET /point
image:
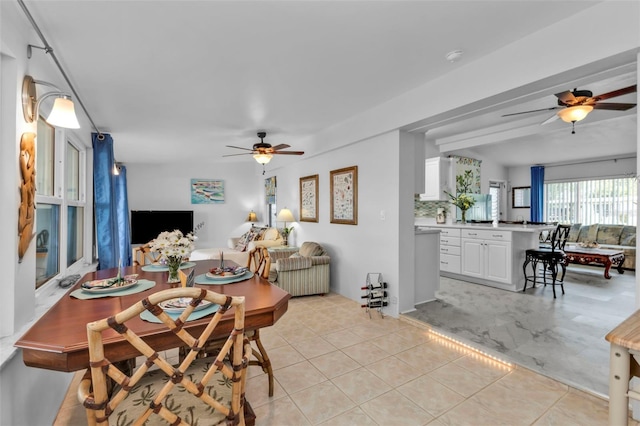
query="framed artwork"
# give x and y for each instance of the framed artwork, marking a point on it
(309, 198)
(207, 191)
(521, 197)
(344, 195)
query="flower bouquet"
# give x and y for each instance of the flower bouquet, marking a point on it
(173, 246)
(463, 201)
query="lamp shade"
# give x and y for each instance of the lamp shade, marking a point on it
(63, 114)
(285, 215)
(575, 113)
(252, 217)
(262, 158)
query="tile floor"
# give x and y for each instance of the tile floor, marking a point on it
(335, 366)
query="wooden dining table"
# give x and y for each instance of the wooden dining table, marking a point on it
(58, 340)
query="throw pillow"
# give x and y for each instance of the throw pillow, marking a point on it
(311, 249)
(244, 240)
(271, 234)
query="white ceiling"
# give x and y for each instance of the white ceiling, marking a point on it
(171, 78)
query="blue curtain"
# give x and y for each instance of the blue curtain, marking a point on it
(110, 198)
(122, 210)
(537, 193)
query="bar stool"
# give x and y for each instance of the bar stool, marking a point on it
(550, 257)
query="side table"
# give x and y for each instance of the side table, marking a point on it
(623, 364)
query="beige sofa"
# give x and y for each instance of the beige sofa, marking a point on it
(238, 248)
(608, 237)
(301, 272)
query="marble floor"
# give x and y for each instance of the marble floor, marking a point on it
(333, 365)
(561, 338)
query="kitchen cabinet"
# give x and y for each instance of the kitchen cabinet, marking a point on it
(450, 250)
(486, 255)
(437, 179)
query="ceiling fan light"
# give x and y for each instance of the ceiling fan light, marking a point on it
(63, 114)
(262, 158)
(575, 113)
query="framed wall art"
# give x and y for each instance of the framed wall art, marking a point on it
(207, 191)
(309, 198)
(344, 195)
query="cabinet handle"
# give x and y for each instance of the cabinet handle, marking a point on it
(472, 233)
(498, 236)
(444, 249)
(444, 263)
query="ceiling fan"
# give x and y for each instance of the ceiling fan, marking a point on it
(262, 151)
(575, 105)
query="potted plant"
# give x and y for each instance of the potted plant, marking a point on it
(462, 200)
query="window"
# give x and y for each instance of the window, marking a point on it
(611, 201)
(60, 203)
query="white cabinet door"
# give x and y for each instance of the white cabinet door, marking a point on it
(497, 261)
(486, 259)
(437, 173)
(473, 258)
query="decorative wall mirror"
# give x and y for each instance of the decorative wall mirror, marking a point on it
(521, 197)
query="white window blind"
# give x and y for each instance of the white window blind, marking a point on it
(611, 201)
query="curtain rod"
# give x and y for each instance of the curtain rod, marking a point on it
(48, 49)
(614, 159)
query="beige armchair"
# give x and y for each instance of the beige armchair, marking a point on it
(301, 272)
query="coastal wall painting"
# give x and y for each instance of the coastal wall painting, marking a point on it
(344, 195)
(309, 198)
(207, 191)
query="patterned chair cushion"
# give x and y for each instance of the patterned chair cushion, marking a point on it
(178, 400)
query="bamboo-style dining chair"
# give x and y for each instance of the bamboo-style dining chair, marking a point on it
(259, 261)
(142, 255)
(198, 390)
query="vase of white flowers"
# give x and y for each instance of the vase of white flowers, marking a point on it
(174, 247)
(463, 200)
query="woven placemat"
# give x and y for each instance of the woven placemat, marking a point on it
(141, 286)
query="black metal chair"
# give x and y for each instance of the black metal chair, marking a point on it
(550, 257)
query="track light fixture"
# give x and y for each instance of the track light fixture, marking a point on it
(63, 111)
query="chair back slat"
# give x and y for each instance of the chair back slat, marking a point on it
(259, 261)
(559, 237)
(146, 393)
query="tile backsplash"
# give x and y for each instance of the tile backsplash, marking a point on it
(429, 208)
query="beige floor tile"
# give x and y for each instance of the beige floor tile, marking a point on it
(577, 408)
(394, 371)
(280, 412)
(471, 413)
(295, 334)
(353, 417)
(284, 356)
(521, 406)
(422, 358)
(361, 385)
(430, 395)
(365, 353)
(369, 331)
(334, 364)
(299, 376)
(311, 348)
(393, 343)
(416, 334)
(464, 382)
(321, 402)
(272, 340)
(343, 338)
(392, 408)
(257, 390)
(483, 366)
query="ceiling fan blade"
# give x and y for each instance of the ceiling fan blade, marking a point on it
(613, 106)
(551, 119)
(281, 146)
(566, 97)
(289, 152)
(533, 110)
(616, 93)
(233, 155)
(239, 147)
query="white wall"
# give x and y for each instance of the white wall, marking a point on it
(167, 187)
(373, 245)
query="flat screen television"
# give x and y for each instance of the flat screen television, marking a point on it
(147, 224)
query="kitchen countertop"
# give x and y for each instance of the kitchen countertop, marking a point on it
(501, 226)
